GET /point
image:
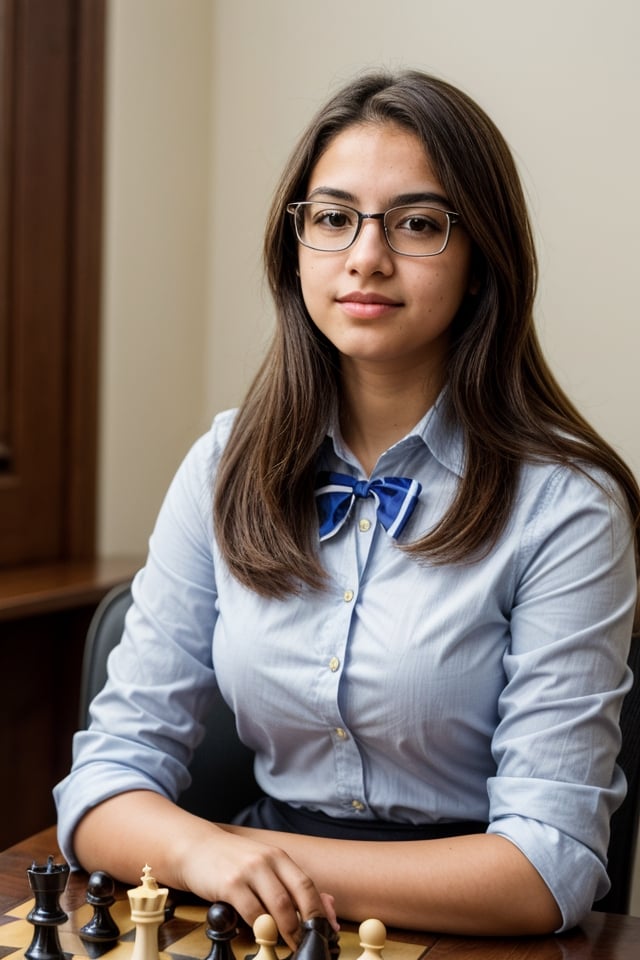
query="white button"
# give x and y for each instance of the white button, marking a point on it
(341, 734)
(334, 663)
(357, 805)
(364, 525)
(348, 596)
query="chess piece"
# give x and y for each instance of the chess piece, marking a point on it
(222, 927)
(333, 937)
(373, 936)
(147, 912)
(47, 882)
(265, 933)
(319, 941)
(101, 928)
(334, 944)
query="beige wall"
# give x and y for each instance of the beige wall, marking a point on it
(205, 98)
(204, 101)
(156, 256)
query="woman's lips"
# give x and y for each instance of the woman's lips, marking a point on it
(367, 306)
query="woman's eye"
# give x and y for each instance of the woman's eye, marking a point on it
(417, 221)
(418, 224)
(334, 219)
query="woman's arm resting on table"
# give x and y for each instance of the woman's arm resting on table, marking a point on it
(480, 884)
(123, 833)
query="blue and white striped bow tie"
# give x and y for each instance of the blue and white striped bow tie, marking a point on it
(336, 493)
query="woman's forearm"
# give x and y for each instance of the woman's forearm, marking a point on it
(140, 827)
(480, 884)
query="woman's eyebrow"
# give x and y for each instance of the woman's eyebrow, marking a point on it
(332, 192)
(428, 196)
(421, 196)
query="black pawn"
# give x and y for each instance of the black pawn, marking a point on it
(222, 927)
(101, 928)
(319, 941)
(48, 883)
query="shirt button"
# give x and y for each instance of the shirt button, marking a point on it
(341, 734)
(334, 663)
(364, 525)
(357, 805)
(348, 596)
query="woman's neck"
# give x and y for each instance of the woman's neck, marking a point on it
(377, 411)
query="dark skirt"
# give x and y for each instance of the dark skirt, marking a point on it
(269, 814)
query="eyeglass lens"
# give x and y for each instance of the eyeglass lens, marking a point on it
(416, 230)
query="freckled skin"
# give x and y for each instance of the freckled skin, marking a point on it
(376, 163)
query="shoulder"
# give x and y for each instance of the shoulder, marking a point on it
(194, 477)
(222, 425)
(568, 485)
(206, 452)
(571, 499)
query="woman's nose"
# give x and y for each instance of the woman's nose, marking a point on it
(370, 252)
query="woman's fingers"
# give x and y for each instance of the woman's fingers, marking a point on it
(257, 878)
(329, 904)
(286, 893)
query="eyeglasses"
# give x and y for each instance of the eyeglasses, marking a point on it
(414, 230)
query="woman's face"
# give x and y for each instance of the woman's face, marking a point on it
(379, 308)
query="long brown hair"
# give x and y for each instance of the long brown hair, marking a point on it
(500, 388)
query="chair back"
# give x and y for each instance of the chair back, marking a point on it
(222, 766)
(624, 823)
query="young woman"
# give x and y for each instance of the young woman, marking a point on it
(407, 561)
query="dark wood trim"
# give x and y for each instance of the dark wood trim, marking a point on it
(7, 22)
(85, 280)
(52, 56)
(38, 174)
(51, 150)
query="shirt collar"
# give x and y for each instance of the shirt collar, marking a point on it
(438, 429)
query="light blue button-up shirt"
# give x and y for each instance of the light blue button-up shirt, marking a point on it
(406, 691)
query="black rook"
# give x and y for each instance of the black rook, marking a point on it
(47, 882)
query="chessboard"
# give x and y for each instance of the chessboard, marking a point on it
(181, 937)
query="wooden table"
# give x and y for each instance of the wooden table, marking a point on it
(602, 936)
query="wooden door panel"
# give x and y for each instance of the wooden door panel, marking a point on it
(50, 203)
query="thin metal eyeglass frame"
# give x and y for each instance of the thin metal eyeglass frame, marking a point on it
(452, 219)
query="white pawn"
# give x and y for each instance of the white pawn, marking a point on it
(265, 933)
(373, 936)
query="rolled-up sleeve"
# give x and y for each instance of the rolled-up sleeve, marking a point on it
(147, 721)
(556, 782)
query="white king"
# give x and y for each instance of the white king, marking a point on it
(147, 912)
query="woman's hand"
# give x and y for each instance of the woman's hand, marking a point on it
(256, 877)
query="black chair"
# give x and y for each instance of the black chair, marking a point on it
(624, 823)
(217, 790)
